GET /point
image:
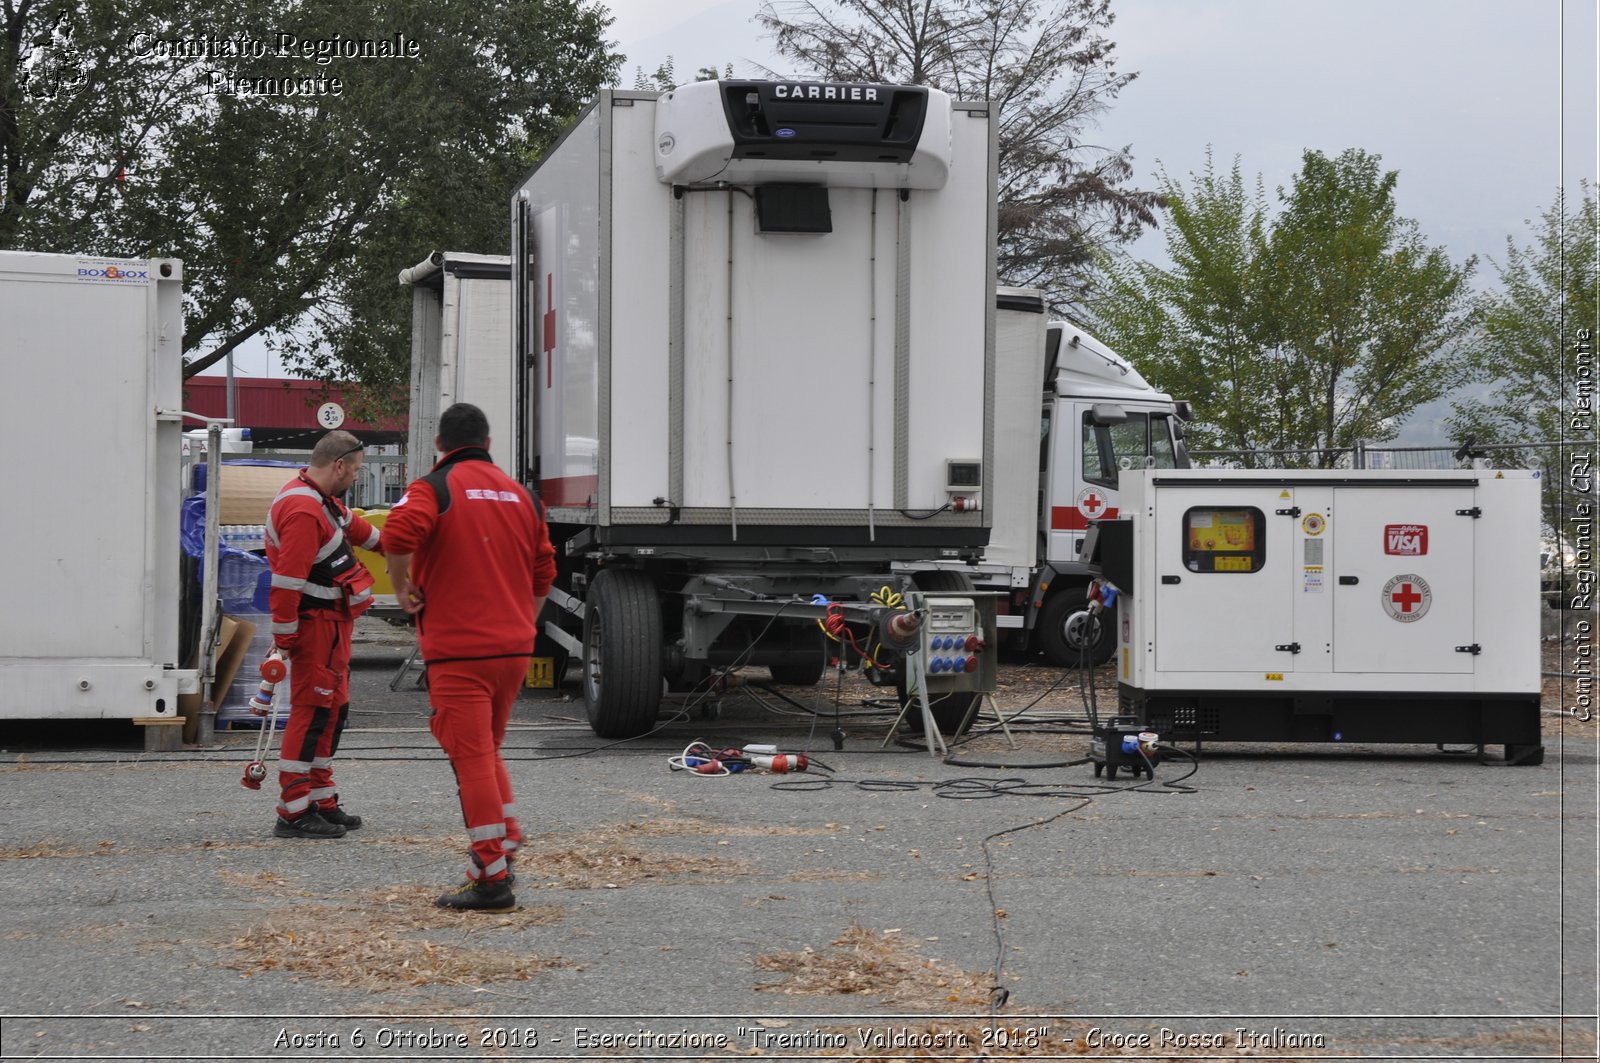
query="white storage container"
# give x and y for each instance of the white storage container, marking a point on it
(93, 352)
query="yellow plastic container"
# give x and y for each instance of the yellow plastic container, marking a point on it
(373, 560)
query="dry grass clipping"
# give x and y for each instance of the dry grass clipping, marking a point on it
(603, 866)
(412, 908)
(687, 827)
(47, 849)
(375, 949)
(863, 962)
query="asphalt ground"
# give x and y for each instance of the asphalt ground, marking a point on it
(1290, 902)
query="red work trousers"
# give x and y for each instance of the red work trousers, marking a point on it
(471, 706)
(319, 705)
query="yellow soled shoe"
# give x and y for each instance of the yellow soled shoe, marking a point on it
(477, 895)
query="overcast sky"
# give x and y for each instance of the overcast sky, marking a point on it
(1484, 106)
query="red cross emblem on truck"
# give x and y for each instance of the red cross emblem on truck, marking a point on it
(1091, 503)
(549, 329)
(1406, 598)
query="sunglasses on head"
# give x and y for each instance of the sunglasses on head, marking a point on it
(353, 450)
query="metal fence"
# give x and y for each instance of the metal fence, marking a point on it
(1543, 456)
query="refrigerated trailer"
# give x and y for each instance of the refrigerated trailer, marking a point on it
(753, 324)
(91, 618)
(460, 349)
(1329, 606)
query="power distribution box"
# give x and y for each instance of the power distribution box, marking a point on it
(958, 644)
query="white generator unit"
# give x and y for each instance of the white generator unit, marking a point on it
(460, 350)
(94, 356)
(754, 335)
(1330, 606)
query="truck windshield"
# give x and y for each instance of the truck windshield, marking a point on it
(1143, 440)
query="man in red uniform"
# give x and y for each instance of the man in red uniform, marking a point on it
(318, 589)
(470, 557)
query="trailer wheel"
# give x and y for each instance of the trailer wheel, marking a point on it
(951, 712)
(622, 653)
(803, 673)
(1061, 641)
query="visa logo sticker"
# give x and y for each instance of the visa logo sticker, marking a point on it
(1407, 540)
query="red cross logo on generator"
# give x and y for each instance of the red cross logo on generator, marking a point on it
(1407, 598)
(1091, 504)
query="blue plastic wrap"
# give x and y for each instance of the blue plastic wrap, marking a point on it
(244, 580)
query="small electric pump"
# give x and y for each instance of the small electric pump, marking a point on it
(1122, 743)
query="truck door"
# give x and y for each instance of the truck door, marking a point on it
(1085, 464)
(1223, 560)
(1403, 579)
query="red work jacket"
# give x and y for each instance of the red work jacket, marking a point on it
(313, 566)
(480, 553)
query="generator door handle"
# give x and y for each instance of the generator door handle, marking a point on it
(1171, 579)
(1349, 581)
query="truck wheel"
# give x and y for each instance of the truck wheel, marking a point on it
(950, 711)
(1061, 642)
(622, 653)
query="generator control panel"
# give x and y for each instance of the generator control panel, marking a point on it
(958, 644)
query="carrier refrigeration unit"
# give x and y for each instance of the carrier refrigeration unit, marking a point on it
(1381, 606)
(753, 324)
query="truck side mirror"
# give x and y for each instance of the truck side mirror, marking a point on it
(1108, 413)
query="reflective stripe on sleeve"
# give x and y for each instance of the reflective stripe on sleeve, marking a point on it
(372, 540)
(288, 627)
(288, 583)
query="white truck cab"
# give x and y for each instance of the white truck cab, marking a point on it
(1097, 418)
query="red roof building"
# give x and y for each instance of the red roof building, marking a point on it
(282, 413)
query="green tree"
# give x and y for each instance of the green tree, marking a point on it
(1199, 329)
(1052, 74)
(1529, 327)
(665, 80)
(1525, 353)
(292, 209)
(1311, 330)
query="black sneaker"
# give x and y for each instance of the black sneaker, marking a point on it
(340, 816)
(476, 895)
(309, 825)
